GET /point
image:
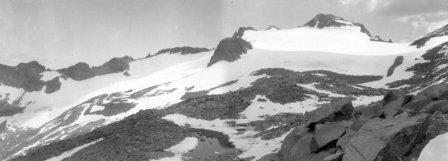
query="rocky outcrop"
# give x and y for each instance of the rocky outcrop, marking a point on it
(272, 28)
(379, 39)
(24, 75)
(437, 33)
(229, 49)
(329, 20)
(184, 50)
(7, 109)
(240, 32)
(397, 62)
(398, 128)
(52, 85)
(432, 69)
(82, 71)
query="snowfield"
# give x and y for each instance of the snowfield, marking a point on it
(189, 143)
(346, 40)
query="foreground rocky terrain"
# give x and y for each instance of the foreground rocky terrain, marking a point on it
(259, 95)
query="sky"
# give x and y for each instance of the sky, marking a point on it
(59, 33)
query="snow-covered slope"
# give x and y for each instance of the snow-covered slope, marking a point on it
(433, 39)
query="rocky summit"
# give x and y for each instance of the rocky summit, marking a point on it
(325, 91)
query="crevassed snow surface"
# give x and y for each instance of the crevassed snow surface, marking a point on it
(71, 152)
(347, 40)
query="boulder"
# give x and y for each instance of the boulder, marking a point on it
(295, 135)
(338, 110)
(302, 149)
(329, 132)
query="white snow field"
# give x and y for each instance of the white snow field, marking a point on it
(346, 40)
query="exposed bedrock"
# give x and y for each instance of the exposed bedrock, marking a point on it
(230, 49)
(396, 129)
(397, 62)
(82, 71)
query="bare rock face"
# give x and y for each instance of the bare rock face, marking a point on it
(396, 129)
(82, 71)
(230, 49)
(329, 20)
(397, 62)
(184, 50)
(240, 32)
(24, 75)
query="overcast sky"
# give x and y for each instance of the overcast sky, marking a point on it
(59, 32)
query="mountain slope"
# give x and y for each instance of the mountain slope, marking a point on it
(242, 100)
(433, 39)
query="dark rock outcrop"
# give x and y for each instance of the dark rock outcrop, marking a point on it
(439, 32)
(82, 71)
(397, 62)
(52, 85)
(240, 32)
(379, 39)
(329, 20)
(354, 136)
(229, 49)
(7, 109)
(79, 71)
(24, 75)
(184, 50)
(272, 28)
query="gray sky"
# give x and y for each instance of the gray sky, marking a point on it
(62, 32)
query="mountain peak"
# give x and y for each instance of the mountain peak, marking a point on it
(329, 20)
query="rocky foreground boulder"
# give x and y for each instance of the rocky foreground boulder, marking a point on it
(396, 129)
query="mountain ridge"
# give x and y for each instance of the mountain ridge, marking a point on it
(250, 102)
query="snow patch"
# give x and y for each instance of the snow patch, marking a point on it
(189, 143)
(259, 109)
(71, 152)
(312, 87)
(365, 100)
(247, 142)
(49, 75)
